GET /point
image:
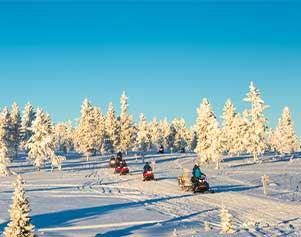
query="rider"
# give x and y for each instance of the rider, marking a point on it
(161, 150)
(119, 158)
(147, 167)
(123, 164)
(196, 171)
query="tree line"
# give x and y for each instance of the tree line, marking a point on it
(95, 132)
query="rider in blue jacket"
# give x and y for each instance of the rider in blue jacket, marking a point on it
(196, 172)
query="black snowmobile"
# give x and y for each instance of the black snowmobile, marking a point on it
(200, 185)
(161, 150)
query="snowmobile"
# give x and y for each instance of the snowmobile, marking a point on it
(113, 162)
(122, 170)
(200, 185)
(148, 176)
(194, 185)
(161, 150)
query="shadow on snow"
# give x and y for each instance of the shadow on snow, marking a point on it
(129, 230)
(60, 218)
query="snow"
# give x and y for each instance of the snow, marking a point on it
(87, 199)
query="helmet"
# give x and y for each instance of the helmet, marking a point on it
(146, 163)
(196, 164)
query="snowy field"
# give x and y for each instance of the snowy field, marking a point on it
(87, 199)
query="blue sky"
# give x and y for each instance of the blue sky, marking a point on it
(167, 55)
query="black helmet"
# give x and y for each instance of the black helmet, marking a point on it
(146, 163)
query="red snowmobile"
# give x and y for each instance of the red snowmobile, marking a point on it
(148, 176)
(122, 169)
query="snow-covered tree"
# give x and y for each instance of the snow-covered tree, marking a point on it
(4, 142)
(26, 121)
(209, 145)
(272, 140)
(169, 132)
(257, 123)
(40, 144)
(226, 222)
(164, 128)
(20, 221)
(240, 131)
(143, 138)
(156, 135)
(4, 162)
(63, 137)
(84, 132)
(56, 161)
(180, 140)
(15, 137)
(229, 133)
(112, 130)
(216, 149)
(286, 138)
(100, 130)
(191, 139)
(205, 118)
(126, 126)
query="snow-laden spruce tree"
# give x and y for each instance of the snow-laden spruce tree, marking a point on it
(63, 137)
(143, 141)
(40, 145)
(4, 162)
(272, 140)
(240, 130)
(257, 123)
(20, 221)
(84, 132)
(226, 222)
(4, 142)
(156, 135)
(171, 138)
(169, 132)
(126, 126)
(15, 135)
(100, 129)
(180, 140)
(112, 130)
(164, 128)
(216, 149)
(191, 139)
(229, 129)
(286, 138)
(208, 146)
(26, 121)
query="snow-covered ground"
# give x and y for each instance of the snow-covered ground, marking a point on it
(87, 199)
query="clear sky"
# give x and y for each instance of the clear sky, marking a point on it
(167, 55)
